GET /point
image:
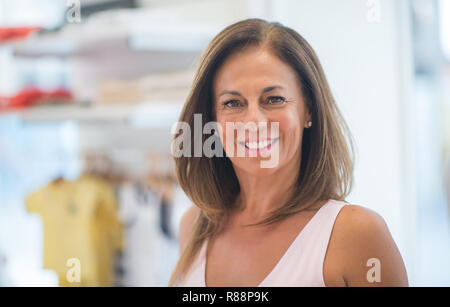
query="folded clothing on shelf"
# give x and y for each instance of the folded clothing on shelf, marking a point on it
(171, 86)
(10, 33)
(33, 96)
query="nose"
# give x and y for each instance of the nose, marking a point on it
(255, 119)
(255, 114)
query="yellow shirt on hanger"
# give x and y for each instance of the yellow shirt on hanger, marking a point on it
(80, 222)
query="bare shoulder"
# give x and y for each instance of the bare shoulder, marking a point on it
(364, 226)
(360, 238)
(187, 224)
(355, 217)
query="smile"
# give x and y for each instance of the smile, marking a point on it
(259, 145)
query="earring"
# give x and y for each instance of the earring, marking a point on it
(309, 124)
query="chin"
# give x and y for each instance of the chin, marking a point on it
(253, 167)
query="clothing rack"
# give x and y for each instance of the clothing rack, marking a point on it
(155, 170)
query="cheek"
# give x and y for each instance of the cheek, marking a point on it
(290, 131)
(222, 120)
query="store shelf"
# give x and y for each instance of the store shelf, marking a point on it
(188, 38)
(177, 40)
(147, 114)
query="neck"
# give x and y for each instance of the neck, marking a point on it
(260, 195)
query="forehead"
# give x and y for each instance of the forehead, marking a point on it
(255, 67)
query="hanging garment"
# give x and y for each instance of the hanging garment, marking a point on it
(139, 213)
(165, 214)
(168, 251)
(150, 253)
(80, 224)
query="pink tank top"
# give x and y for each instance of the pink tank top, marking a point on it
(301, 264)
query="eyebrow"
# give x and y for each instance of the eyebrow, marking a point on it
(265, 90)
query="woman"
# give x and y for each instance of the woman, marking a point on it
(287, 225)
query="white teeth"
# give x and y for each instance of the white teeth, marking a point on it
(260, 145)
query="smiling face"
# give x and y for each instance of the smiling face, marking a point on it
(255, 86)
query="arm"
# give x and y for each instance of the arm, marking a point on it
(367, 252)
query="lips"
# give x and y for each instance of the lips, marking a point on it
(259, 145)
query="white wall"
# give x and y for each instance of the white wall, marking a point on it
(368, 66)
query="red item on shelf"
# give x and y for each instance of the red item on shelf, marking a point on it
(33, 96)
(16, 32)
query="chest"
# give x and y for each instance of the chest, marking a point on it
(246, 258)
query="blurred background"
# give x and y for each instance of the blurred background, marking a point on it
(90, 89)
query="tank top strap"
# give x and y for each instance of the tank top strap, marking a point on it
(303, 264)
(318, 235)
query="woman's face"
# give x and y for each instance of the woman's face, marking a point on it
(255, 86)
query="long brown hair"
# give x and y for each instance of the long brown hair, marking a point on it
(326, 169)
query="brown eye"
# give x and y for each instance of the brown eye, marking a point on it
(276, 99)
(231, 103)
